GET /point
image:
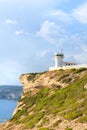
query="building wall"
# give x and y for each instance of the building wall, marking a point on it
(58, 61)
(68, 64)
(69, 67)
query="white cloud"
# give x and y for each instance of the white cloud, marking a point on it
(10, 21)
(84, 47)
(79, 58)
(19, 32)
(80, 13)
(44, 53)
(61, 16)
(52, 33)
(80, 42)
(56, 35)
(10, 72)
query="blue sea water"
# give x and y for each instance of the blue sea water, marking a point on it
(7, 108)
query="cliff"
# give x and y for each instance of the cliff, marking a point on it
(55, 100)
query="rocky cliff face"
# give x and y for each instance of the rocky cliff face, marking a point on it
(35, 81)
(55, 100)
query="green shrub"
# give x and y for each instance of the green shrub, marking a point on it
(45, 120)
(73, 114)
(73, 69)
(57, 123)
(31, 120)
(31, 77)
(79, 70)
(63, 76)
(67, 80)
(83, 119)
(17, 116)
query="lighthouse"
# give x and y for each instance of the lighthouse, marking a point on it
(60, 64)
(58, 59)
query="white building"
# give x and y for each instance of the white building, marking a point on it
(60, 64)
(59, 60)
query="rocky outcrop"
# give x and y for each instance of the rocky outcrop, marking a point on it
(36, 81)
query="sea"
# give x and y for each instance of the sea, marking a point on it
(9, 96)
(7, 108)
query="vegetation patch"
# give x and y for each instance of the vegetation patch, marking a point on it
(73, 114)
(35, 119)
(63, 77)
(67, 80)
(45, 120)
(79, 70)
(83, 119)
(57, 123)
(31, 77)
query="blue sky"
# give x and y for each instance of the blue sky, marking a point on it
(31, 31)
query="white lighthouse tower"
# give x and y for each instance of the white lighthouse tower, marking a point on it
(59, 60)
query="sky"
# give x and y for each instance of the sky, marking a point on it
(31, 31)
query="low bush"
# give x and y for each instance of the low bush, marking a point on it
(67, 80)
(73, 114)
(83, 119)
(63, 77)
(31, 77)
(79, 70)
(57, 123)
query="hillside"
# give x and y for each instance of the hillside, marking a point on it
(54, 100)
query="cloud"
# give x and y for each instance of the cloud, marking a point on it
(44, 53)
(84, 47)
(19, 32)
(79, 48)
(80, 41)
(10, 72)
(58, 36)
(80, 13)
(60, 16)
(51, 32)
(79, 58)
(10, 21)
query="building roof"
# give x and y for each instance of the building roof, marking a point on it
(71, 63)
(59, 54)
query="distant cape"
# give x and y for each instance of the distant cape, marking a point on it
(11, 92)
